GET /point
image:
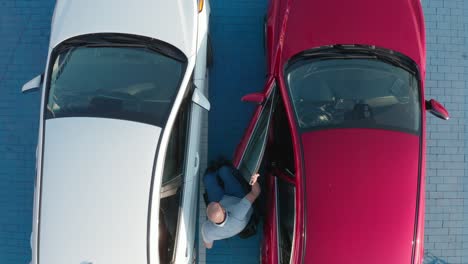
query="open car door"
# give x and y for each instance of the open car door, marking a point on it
(250, 151)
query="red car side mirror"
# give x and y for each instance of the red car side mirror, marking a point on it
(437, 109)
(257, 98)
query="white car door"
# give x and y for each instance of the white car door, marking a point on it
(186, 230)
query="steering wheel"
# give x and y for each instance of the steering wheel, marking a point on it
(117, 95)
(313, 114)
(115, 98)
(68, 100)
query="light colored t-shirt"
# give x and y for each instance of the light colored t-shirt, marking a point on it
(238, 215)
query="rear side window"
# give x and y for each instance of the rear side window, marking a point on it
(128, 83)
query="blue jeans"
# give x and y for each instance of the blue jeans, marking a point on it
(232, 186)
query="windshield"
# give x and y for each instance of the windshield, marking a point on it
(131, 83)
(365, 93)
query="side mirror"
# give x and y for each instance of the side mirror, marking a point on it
(437, 109)
(33, 84)
(257, 98)
(199, 98)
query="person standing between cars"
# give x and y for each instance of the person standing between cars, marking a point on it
(230, 208)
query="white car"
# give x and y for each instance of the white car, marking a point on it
(123, 97)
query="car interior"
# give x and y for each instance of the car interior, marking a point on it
(123, 83)
(354, 93)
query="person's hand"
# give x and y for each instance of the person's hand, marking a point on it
(256, 189)
(255, 186)
(253, 178)
(208, 245)
(255, 192)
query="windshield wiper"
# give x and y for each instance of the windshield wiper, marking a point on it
(356, 52)
(125, 40)
(151, 44)
(388, 57)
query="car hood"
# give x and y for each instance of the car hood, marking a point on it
(396, 25)
(361, 191)
(95, 188)
(173, 21)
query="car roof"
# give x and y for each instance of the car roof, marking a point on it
(361, 186)
(173, 22)
(396, 25)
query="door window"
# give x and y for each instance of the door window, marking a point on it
(254, 152)
(282, 152)
(168, 221)
(172, 183)
(175, 156)
(282, 155)
(286, 218)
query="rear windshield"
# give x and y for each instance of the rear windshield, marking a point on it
(130, 83)
(348, 93)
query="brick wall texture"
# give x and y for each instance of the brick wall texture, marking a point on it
(446, 233)
(24, 36)
(239, 69)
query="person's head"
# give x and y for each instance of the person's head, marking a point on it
(215, 213)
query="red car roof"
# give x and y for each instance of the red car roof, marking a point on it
(361, 192)
(396, 25)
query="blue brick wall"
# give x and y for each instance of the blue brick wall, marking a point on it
(465, 181)
(446, 197)
(24, 29)
(239, 68)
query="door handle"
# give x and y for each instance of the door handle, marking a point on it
(197, 163)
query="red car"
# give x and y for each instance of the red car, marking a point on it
(339, 132)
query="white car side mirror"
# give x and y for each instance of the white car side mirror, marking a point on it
(200, 99)
(33, 84)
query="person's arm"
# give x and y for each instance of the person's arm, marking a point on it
(208, 245)
(255, 192)
(244, 206)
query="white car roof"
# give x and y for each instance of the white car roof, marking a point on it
(95, 186)
(172, 21)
